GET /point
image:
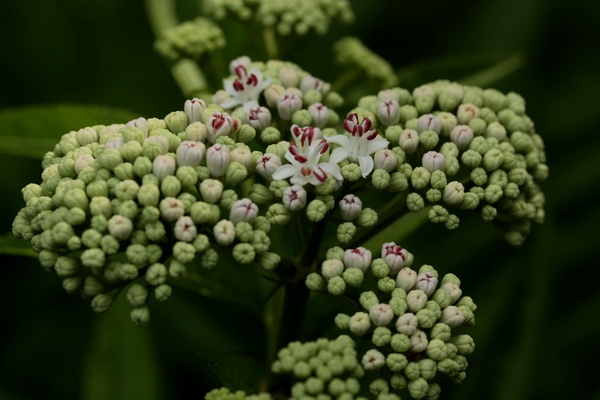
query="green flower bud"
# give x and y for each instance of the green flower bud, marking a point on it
(156, 274)
(400, 342)
(92, 286)
(493, 159)
(380, 179)
(93, 258)
(464, 344)
(414, 202)
(336, 285)
(398, 305)
(140, 316)
(381, 336)
(342, 321)
(353, 277)
(316, 283)
(398, 182)
(243, 253)
(488, 213)
(278, 214)
(209, 258)
(418, 388)
(368, 299)
(235, 173)
(493, 193)
(367, 218)
(359, 323)
(162, 292)
(351, 172)
(316, 210)
(101, 302)
(386, 284)
(412, 371)
(428, 139)
(268, 261)
(260, 194)
(137, 295)
(345, 232)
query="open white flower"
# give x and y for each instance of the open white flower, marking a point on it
(304, 158)
(246, 89)
(357, 144)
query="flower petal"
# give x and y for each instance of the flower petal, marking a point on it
(366, 165)
(285, 171)
(337, 155)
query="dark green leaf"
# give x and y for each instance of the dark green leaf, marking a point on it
(33, 131)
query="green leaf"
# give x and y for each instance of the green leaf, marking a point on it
(16, 247)
(33, 131)
(121, 362)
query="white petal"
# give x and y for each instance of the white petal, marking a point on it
(342, 140)
(376, 144)
(366, 165)
(230, 102)
(338, 154)
(285, 171)
(332, 169)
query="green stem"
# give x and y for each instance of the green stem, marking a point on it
(189, 77)
(270, 41)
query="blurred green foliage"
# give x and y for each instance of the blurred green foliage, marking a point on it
(537, 321)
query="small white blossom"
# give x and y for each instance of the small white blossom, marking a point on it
(246, 88)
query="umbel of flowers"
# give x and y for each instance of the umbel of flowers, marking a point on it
(132, 207)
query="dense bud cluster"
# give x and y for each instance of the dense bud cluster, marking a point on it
(406, 321)
(286, 16)
(190, 39)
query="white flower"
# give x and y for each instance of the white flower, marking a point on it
(246, 89)
(304, 164)
(357, 144)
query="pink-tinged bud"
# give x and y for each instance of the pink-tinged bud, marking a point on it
(294, 197)
(433, 161)
(190, 153)
(388, 112)
(406, 279)
(461, 136)
(288, 104)
(243, 210)
(357, 258)
(217, 160)
(162, 166)
(140, 123)
(409, 140)
(319, 114)
(426, 282)
(259, 118)
(429, 122)
(193, 109)
(185, 229)
(311, 83)
(381, 314)
(267, 165)
(114, 143)
(466, 112)
(452, 316)
(394, 256)
(219, 124)
(171, 209)
(384, 159)
(224, 232)
(350, 207)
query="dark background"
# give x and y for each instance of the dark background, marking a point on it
(538, 320)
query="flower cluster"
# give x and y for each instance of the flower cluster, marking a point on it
(286, 16)
(463, 148)
(191, 39)
(407, 320)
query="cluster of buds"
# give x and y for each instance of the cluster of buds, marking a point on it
(463, 148)
(272, 96)
(226, 394)
(407, 321)
(190, 39)
(287, 17)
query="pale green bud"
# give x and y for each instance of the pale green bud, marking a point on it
(400, 342)
(414, 202)
(471, 158)
(71, 284)
(367, 218)
(137, 295)
(428, 139)
(351, 172)
(101, 302)
(120, 227)
(316, 210)
(488, 213)
(66, 266)
(156, 274)
(345, 232)
(359, 323)
(418, 388)
(140, 316)
(278, 214)
(336, 285)
(93, 258)
(380, 179)
(211, 190)
(162, 292)
(409, 141)
(268, 261)
(243, 253)
(331, 268)
(92, 286)
(493, 193)
(235, 173)
(464, 344)
(353, 277)
(110, 158)
(316, 283)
